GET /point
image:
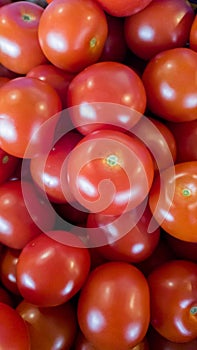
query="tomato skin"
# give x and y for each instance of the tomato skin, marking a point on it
(8, 264)
(49, 328)
(147, 34)
(13, 330)
(123, 87)
(21, 97)
(170, 84)
(180, 220)
(78, 35)
(8, 165)
(105, 187)
(182, 249)
(20, 48)
(173, 293)
(54, 280)
(123, 8)
(193, 35)
(106, 315)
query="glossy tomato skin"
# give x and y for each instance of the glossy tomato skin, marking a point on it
(173, 296)
(54, 280)
(180, 220)
(20, 48)
(49, 327)
(8, 165)
(169, 80)
(8, 264)
(123, 8)
(110, 172)
(147, 32)
(17, 226)
(72, 34)
(13, 331)
(123, 87)
(193, 35)
(182, 249)
(107, 306)
(19, 98)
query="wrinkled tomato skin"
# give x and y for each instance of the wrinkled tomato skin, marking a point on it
(49, 328)
(173, 300)
(20, 48)
(123, 8)
(78, 35)
(170, 84)
(180, 219)
(147, 33)
(111, 296)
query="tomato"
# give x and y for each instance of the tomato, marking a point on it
(46, 170)
(6, 297)
(8, 165)
(19, 98)
(13, 330)
(82, 343)
(115, 48)
(110, 172)
(107, 306)
(171, 86)
(49, 328)
(49, 273)
(123, 8)
(3, 80)
(193, 35)
(124, 238)
(17, 226)
(185, 133)
(77, 36)
(176, 210)
(8, 264)
(182, 249)
(123, 91)
(147, 32)
(54, 76)
(173, 296)
(20, 48)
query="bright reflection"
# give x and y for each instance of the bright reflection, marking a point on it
(5, 226)
(181, 327)
(166, 215)
(132, 331)
(124, 119)
(68, 288)
(57, 42)
(7, 130)
(28, 282)
(9, 48)
(49, 180)
(96, 321)
(190, 101)
(167, 91)
(11, 277)
(86, 186)
(146, 33)
(87, 111)
(137, 248)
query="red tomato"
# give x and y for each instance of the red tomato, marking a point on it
(78, 35)
(124, 7)
(147, 32)
(49, 273)
(46, 170)
(49, 328)
(122, 88)
(193, 35)
(107, 306)
(171, 86)
(173, 296)
(8, 165)
(13, 330)
(124, 238)
(176, 210)
(110, 172)
(82, 343)
(20, 48)
(3, 80)
(6, 297)
(182, 249)
(185, 134)
(8, 264)
(55, 77)
(19, 98)
(17, 226)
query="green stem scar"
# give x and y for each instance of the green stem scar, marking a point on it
(186, 192)
(5, 159)
(112, 160)
(93, 42)
(193, 310)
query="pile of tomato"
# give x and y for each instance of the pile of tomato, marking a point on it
(98, 175)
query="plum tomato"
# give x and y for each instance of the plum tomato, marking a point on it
(173, 300)
(107, 306)
(123, 8)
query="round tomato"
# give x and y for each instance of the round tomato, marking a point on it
(25, 104)
(13, 330)
(175, 207)
(173, 300)
(123, 8)
(113, 306)
(147, 32)
(49, 273)
(20, 48)
(117, 100)
(9, 260)
(110, 172)
(171, 86)
(72, 34)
